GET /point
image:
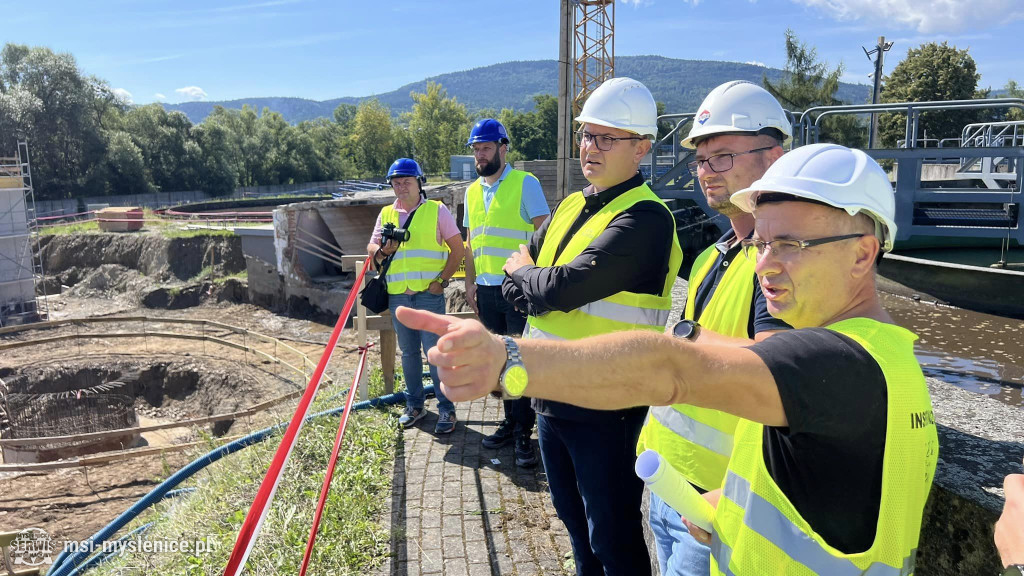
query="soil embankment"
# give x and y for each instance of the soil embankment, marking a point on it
(132, 266)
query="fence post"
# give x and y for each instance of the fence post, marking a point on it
(361, 326)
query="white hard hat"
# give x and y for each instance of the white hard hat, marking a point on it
(842, 177)
(737, 107)
(622, 103)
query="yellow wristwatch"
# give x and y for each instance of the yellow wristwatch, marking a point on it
(513, 378)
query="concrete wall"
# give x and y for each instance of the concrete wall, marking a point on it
(546, 172)
(17, 287)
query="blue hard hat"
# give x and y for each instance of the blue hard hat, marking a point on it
(405, 167)
(487, 130)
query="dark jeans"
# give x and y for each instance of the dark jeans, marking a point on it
(500, 317)
(595, 491)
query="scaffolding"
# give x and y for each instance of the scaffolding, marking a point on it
(21, 266)
(593, 48)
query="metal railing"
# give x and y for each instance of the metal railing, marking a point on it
(923, 209)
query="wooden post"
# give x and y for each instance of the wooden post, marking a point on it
(361, 326)
(388, 348)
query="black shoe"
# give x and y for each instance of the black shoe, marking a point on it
(501, 436)
(525, 456)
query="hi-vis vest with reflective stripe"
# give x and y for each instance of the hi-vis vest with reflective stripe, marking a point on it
(698, 441)
(497, 232)
(757, 531)
(620, 311)
(418, 261)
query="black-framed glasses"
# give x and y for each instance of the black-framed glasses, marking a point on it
(754, 249)
(604, 142)
(721, 162)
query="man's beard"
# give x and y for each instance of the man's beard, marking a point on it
(489, 168)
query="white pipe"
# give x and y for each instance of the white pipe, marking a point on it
(671, 487)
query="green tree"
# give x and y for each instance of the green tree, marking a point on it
(533, 135)
(47, 100)
(439, 126)
(932, 71)
(161, 137)
(1014, 90)
(373, 138)
(216, 154)
(808, 82)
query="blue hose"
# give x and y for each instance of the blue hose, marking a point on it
(66, 564)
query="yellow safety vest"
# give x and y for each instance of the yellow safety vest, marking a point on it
(497, 232)
(620, 311)
(418, 261)
(757, 530)
(698, 441)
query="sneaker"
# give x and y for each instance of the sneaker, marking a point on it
(501, 436)
(445, 423)
(411, 416)
(525, 456)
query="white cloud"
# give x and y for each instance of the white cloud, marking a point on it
(756, 63)
(123, 95)
(159, 96)
(936, 16)
(192, 92)
(638, 3)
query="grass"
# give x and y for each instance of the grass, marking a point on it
(83, 227)
(168, 228)
(354, 533)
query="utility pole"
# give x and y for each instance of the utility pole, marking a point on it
(564, 158)
(879, 52)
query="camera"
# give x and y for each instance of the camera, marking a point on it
(393, 233)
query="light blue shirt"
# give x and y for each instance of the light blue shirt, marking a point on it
(533, 205)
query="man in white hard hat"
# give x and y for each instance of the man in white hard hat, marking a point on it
(836, 450)
(738, 133)
(604, 262)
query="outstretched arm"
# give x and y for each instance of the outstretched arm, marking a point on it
(606, 372)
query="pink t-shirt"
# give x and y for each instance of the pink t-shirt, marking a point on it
(446, 227)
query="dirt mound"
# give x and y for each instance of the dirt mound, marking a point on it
(153, 255)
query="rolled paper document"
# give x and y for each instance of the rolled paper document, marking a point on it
(671, 487)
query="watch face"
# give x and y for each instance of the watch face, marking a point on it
(683, 329)
(514, 380)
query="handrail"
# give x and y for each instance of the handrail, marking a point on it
(913, 110)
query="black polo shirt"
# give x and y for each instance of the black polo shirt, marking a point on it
(631, 255)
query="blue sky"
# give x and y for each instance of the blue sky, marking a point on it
(219, 50)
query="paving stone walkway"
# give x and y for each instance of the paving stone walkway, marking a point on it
(455, 512)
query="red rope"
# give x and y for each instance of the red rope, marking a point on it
(334, 460)
(265, 495)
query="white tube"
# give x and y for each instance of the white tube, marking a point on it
(671, 487)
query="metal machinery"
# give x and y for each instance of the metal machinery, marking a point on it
(20, 267)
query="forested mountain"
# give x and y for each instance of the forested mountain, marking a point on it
(680, 84)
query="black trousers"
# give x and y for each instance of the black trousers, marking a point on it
(595, 491)
(500, 317)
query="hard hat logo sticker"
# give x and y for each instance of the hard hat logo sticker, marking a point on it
(703, 117)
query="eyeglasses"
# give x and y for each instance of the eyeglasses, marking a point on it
(721, 162)
(604, 141)
(754, 249)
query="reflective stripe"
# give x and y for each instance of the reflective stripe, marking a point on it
(768, 521)
(625, 313)
(403, 276)
(501, 233)
(697, 432)
(432, 254)
(722, 554)
(538, 334)
(493, 251)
